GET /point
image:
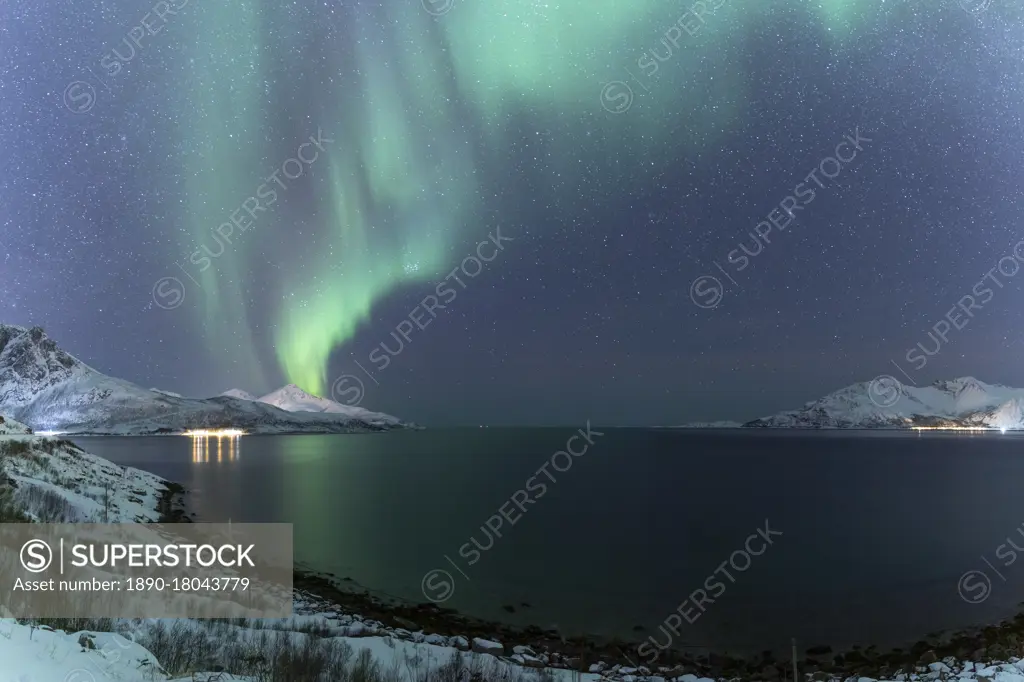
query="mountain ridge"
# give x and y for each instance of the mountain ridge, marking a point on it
(238, 393)
(291, 398)
(49, 389)
(884, 402)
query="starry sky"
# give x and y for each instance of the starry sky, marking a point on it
(517, 211)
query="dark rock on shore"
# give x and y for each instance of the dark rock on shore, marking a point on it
(171, 505)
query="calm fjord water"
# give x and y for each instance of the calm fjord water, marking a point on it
(877, 528)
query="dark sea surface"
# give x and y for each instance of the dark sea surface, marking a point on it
(878, 528)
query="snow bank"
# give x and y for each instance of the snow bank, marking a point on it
(56, 481)
(39, 654)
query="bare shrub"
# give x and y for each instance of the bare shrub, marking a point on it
(45, 505)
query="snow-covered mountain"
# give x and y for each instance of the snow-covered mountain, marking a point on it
(886, 403)
(50, 390)
(293, 399)
(238, 393)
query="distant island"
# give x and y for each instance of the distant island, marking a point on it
(885, 403)
(711, 425)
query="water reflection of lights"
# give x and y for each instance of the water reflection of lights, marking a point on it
(222, 448)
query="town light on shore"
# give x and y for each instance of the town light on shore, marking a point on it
(960, 428)
(214, 433)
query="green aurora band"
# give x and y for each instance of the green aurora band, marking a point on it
(399, 188)
(222, 105)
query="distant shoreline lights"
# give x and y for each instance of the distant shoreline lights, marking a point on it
(215, 433)
(960, 428)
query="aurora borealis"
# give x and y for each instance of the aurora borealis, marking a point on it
(449, 123)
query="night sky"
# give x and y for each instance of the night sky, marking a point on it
(621, 154)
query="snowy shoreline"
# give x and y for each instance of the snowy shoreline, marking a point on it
(952, 653)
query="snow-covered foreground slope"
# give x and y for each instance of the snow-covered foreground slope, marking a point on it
(299, 649)
(319, 649)
(9, 426)
(291, 398)
(29, 654)
(54, 481)
(50, 390)
(886, 403)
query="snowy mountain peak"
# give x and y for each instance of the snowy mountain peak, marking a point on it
(31, 362)
(294, 390)
(239, 393)
(293, 399)
(960, 384)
